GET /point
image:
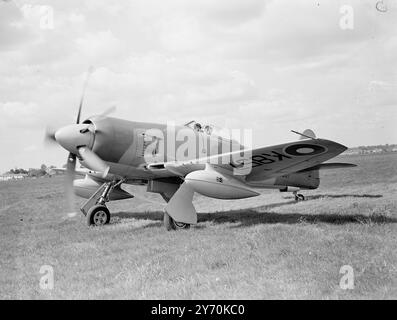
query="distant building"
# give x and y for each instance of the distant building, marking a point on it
(371, 149)
(13, 176)
(352, 151)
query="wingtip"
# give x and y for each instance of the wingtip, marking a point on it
(337, 147)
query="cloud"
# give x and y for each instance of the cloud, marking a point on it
(180, 34)
(99, 45)
(13, 32)
(18, 109)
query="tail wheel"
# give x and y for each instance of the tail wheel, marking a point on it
(98, 215)
(171, 224)
(299, 197)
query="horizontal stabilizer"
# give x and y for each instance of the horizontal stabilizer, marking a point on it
(335, 165)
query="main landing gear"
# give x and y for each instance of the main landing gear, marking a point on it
(98, 215)
(95, 207)
(298, 196)
(171, 224)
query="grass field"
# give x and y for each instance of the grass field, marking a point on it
(267, 247)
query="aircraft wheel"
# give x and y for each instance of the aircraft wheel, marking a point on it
(171, 224)
(181, 225)
(98, 215)
(299, 197)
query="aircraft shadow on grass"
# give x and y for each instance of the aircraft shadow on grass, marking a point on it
(263, 215)
(335, 196)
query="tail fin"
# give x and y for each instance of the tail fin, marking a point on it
(308, 133)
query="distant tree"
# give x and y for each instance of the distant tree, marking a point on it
(17, 171)
(43, 169)
(36, 172)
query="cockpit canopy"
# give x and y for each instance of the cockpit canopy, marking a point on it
(210, 130)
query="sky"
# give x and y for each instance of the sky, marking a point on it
(268, 66)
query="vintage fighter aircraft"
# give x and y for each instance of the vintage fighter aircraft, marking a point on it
(117, 151)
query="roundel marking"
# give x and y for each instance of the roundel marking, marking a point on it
(303, 149)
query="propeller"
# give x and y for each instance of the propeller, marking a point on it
(69, 178)
(93, 161)
(67, 138)
(100, 117)
(71, 161)
(108, 111)
(49, 136)
(87, 77)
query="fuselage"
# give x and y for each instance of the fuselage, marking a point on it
(129, 146)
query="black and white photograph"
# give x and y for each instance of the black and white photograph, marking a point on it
(221, 151)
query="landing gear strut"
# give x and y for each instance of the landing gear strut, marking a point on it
(171, 224)
(298, 196)
(95, 207)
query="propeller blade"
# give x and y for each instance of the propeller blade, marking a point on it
(93, 161)
(108, 111)
(49, 136)
(69, 178)
(89, 72)
(105, 113)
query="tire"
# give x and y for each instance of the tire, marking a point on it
(181, 225)
(170, 224)
(98, 215)
(300, 197)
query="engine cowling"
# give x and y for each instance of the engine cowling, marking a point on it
(86, 187)
(218, 185)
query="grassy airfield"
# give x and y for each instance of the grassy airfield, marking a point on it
(268, 247)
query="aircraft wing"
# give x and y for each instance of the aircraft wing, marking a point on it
(333, 165)
(94, 175)
(262, 163)
(292, 157)
(63, 170)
